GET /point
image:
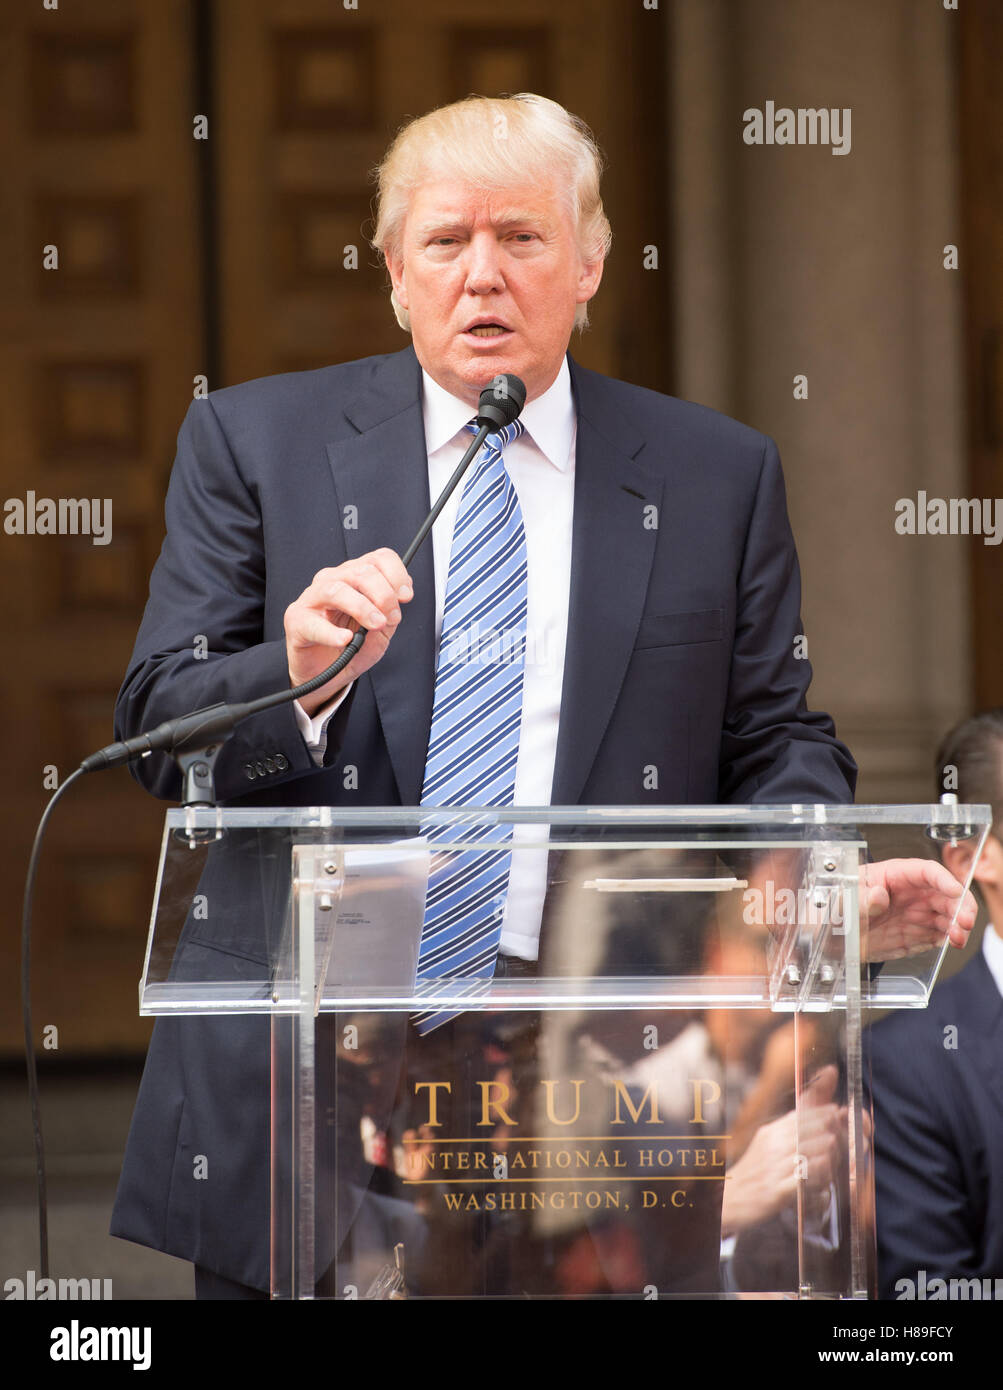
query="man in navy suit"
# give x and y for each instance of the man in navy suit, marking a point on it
(663, 592)
(938, 1081)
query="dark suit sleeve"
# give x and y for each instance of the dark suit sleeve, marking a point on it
(773, 748)
(208, 592)
(927, 1214)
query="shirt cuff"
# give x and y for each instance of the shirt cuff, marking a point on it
(314, 730)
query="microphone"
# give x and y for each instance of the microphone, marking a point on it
(501, 402)
(192, 736)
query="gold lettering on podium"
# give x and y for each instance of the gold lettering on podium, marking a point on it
(713, 1094)
(433, 1098)
(487, 1104)
(549, 1087)
(650, 1098)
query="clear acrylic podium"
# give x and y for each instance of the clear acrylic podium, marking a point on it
(670, 1104)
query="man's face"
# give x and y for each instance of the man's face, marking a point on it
(491, 280)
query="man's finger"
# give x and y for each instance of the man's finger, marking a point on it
(391, 566)
(312, 629)
(347, 598)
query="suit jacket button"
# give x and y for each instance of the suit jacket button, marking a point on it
(270, 764)
(260, 768)
(249, 772)
(281, 761)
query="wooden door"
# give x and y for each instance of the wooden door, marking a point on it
(199, 168)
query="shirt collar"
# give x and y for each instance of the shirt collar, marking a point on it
(549, 419)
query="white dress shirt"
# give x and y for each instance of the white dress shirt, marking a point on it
(992, 950)
(541, 464)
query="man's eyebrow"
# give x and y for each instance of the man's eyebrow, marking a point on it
(437, 225)
(512, 218)
(512, 215)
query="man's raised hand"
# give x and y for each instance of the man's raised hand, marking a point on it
(319, 625)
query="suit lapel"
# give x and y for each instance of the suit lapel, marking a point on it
(985, 1018)
(382, 472)
(611, 557)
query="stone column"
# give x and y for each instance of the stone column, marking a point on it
(792, 260)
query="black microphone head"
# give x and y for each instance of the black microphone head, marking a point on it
(501, 401)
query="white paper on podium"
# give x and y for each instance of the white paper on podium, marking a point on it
(377, 930)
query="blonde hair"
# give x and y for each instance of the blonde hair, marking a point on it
(495, 142)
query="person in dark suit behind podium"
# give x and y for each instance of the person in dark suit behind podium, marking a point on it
(662, 605)
(937, 1077)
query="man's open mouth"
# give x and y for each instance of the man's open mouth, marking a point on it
(488, 330)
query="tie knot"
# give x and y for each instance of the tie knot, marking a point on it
(499, 440)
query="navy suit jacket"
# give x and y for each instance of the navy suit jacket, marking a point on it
(684, 610)
(938, 1135)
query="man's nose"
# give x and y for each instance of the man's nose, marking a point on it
(484, 272)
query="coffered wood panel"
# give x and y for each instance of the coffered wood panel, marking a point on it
(97, 352)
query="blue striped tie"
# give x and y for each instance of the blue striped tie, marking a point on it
(476, 713)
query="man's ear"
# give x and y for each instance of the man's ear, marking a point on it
(989, 869)
(588, 280)
(958, 859)
(395, 267)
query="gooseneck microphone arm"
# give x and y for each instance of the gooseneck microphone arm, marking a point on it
(194, 740)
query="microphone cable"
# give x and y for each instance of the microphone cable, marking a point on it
(29, 1040)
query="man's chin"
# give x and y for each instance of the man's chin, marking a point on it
(469, 376)
(480, 373)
